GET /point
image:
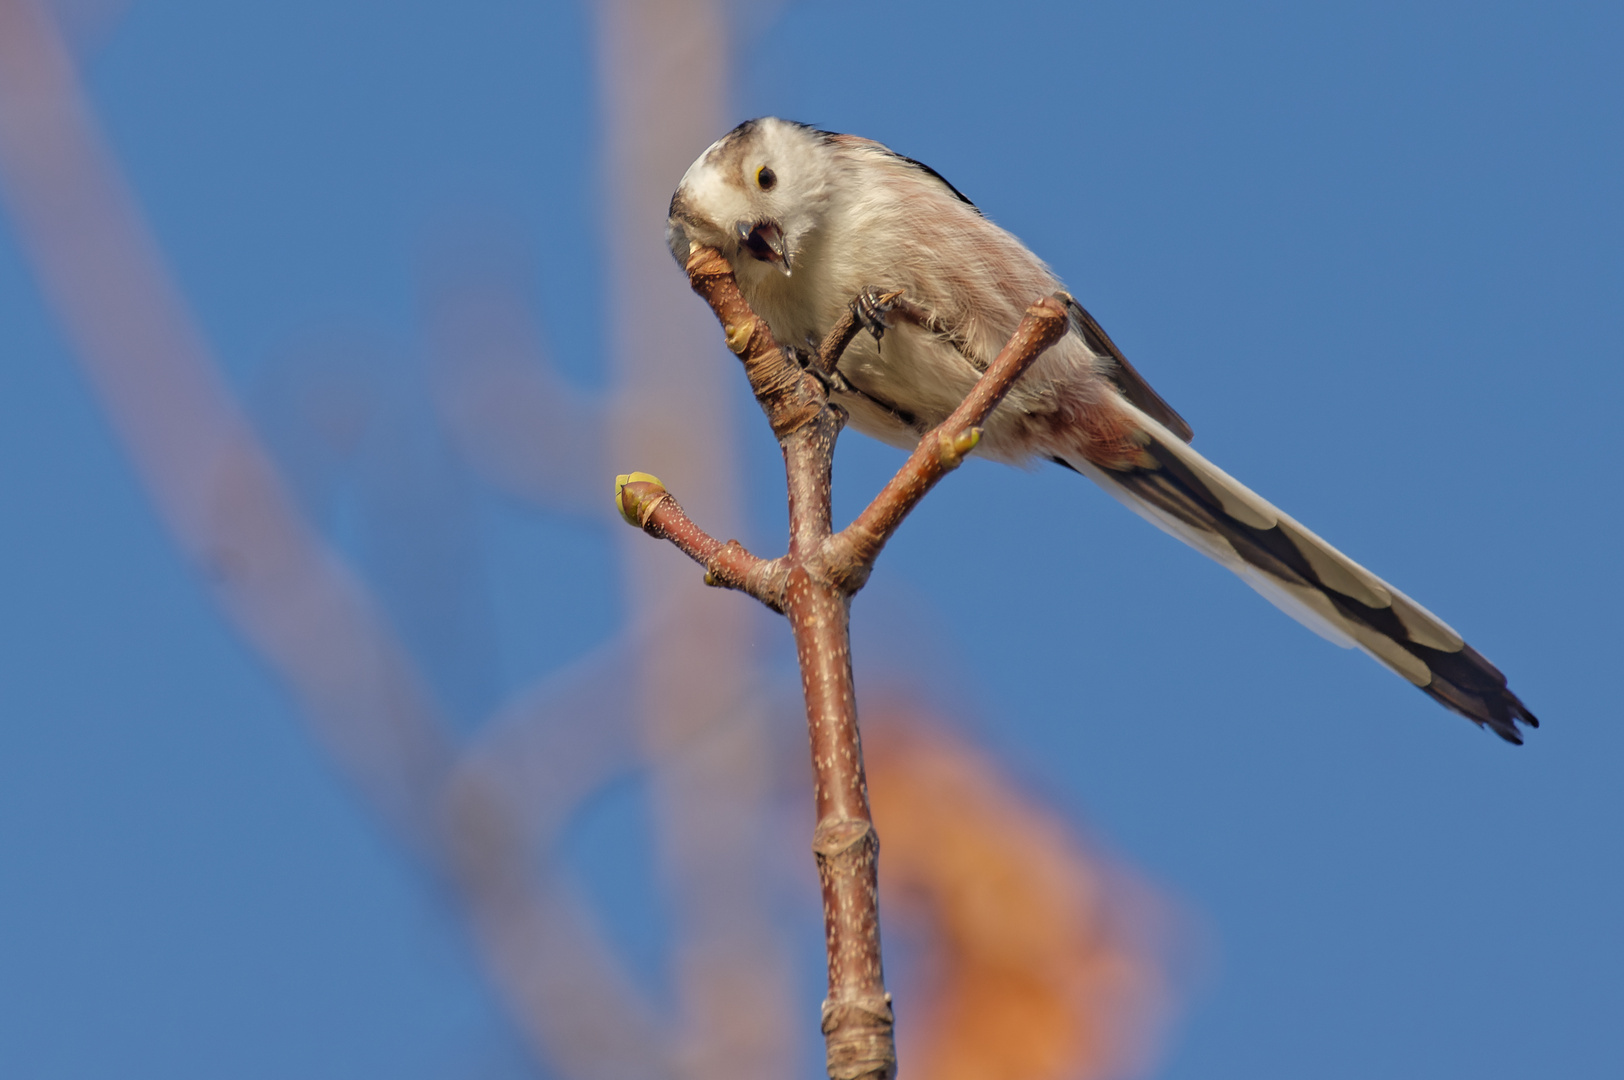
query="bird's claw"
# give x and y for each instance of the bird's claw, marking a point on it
(807, 360)
(873, 309)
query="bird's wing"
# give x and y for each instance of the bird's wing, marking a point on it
(1123, 374)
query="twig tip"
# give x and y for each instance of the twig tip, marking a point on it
(706, 262)
(631, 512)
(1047, 307)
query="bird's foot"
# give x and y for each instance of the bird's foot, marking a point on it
(873, 309)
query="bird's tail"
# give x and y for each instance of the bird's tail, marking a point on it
(1159, 477)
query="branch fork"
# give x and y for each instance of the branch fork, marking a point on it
(813, 585)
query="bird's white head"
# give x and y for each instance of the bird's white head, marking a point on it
(757, 195)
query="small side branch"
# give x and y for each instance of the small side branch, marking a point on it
(644, 502)
(835, 342)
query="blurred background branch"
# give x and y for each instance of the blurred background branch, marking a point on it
(485, 812)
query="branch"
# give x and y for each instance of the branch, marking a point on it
(813, 585)
(294, 598)
(789, 396)
(644, 502)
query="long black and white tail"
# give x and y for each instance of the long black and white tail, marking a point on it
(1186, 495)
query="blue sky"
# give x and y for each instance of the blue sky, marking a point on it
(1373, 253)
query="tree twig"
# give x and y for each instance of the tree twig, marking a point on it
(645, 503)
(813, 585)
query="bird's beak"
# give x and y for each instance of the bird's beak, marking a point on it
(765, 240)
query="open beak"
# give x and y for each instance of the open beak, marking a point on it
(765, 240)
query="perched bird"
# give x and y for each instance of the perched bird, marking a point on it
(817, 224)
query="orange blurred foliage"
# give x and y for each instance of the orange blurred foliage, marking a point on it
(1040, 956)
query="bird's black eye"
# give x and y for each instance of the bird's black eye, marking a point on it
(766, 178)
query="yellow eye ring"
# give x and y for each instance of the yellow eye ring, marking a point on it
(766, 178)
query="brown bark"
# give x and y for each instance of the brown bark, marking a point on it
(813, 585)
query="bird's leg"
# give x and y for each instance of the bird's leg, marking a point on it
(811, 361)
(872, 309)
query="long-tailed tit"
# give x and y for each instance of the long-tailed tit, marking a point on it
(813, 222)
